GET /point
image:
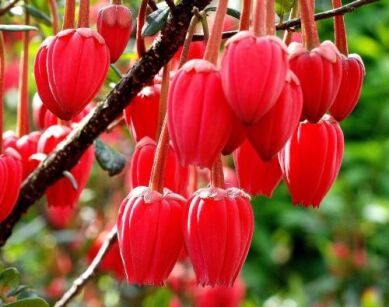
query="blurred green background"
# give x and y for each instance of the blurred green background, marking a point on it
(337, 255)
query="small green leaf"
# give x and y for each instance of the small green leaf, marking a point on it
(37, 14)
(283, 7)
(155, 21)
(17, 28)
(16, 291)
(29, 302)
(114, 74)
(232, 12)
(109, 159)
(9, 278)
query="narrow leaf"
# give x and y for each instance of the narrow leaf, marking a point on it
(155, 21)
(17, 28)
(109, 159)
(283, 6)
(37, 14)
(29, 302)
(114, 74)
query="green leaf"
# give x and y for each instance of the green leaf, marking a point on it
(38, 14)
(109, 159)
(9, 278)
(17, 28)
(283, 7)
(114, 74)
(155, 21)
(160, 297)
(16, 291)
(29, 302)
(232, 12)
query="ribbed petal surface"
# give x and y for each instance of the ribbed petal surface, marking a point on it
(320, 75)
(150, 234)
(114, 23)
(253, 74)
(350, 88)
(311, 160)
(199, 118)
(77, 64)
(273, 130)
(218, 231)
(256, 176)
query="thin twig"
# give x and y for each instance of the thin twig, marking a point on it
(295, 23)
(87, 275)
(153, 5)
(8, 7)
(171, 5)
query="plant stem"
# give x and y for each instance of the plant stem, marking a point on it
(2, 64)
(54, 15)
(22, 125)
(217, 177)
(163, 97)
(81, 281)
(204, 23)
(140, 41)
(117, 2)
(153, 5)
(193, 179)
(270, 17)
(308, 24)
(70, 8)
(296, 22)
(244, 23)
(293, 14)
(171, 6)
(340, 29)
(83, 16)
(259, 17)
(161, 153)
(188, 38)
(212, 49)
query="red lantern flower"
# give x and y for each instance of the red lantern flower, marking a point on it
(142, 114)
(320, 73)
(77, 63)
(199, 118)
(218, 230)
(256, 176)
(114, 24)
(311, 159)
(42, 79)
(175, 177)
(10, 179)
(25, 146)
(149, 253)
(253, 74)
(62, 193)
(59, 217)
(350, 87)
(270, 133)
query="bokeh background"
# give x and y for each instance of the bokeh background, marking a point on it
(337, 255)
